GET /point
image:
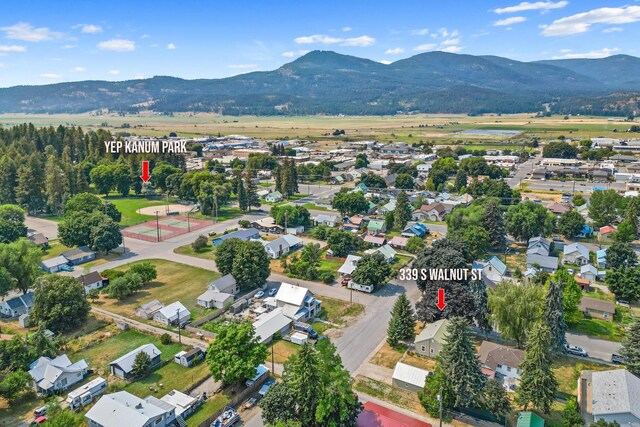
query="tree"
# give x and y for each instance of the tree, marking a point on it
(434, 385)
(402, 322)
(93, 295)
(496, 400)
(141, 364)
(481, 313)
(251, 265)
(631, 347)
(372, 269)
(253, 200)
(560, 149)
(105, 235)
(415, 244)
(402, 213)
(161, 171)
(404, 181)
(626, 232)
(603, 207)
(624, 282)
(493, 223)
(349, 202)
(571, 414)
(63, 418)
(461, 180)
(602, 423)
(235, 353)
(200, 243)
(631, 215)
(279, 404)
(21, 259)
(15, 384)
(361, 161)
(303, 377)
(538, 384)
(55, 184)
(474, 238)
(571, 295)
(461, 365)
(570, 224)
(243, 202)
(527, 220)
(145, 269)
(102, 177)
(292, 216)
(11, 223)
(342, 243)
(621, 255)
(553, 315)
(225, 254)
(28, 195)
(83, 202)
(579, 200)
(59, 303)
(515, 309)
(371, 180)
(122, 179)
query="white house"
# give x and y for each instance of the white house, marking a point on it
(17, 306)
(589, 272)
(172, 314)
(52, 375)
(274, 197)
(226, 284)
(328, 220)
(610, 395)
(123, 409)
(282, 245)
(501, 361)
(575, 253)
(122, 367)
(268, 324)
(297, 303)
(493, 270)
(188, 358)
(349, 265)
(91, 281)
(215, 299)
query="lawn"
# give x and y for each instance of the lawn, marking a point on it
(206, 253)
(224, 213)
(314, 207)
(321, 327)
(338, 311)
(208, 408)
(598, 329)
(171, 376)
(282, 350)
(420, 361)
(175, 282)
(567, 370)
(55, 248)
(387, 356)
(329, 265)
(394, 395)
(128, 206)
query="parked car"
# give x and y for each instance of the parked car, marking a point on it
(40, 412)
(570, 270)
(305, 327)
(575, 350)
(251, 402)
(259, 294)
(212, 233)
(618, 359)
(345, 280)
(66, 268)
(39, 420)
(273, 292)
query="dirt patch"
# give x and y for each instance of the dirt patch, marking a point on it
(164, 210)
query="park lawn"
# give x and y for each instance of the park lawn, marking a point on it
(337, 311)
(99, 355)
(206, 253)
(282, 350)
(128, 206)
(224, 213)
(598, 329)
(175, 282)
(567, 371)
(387, 356)
(172, 377)
(208, 408)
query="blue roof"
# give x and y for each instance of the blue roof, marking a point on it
(602, 253)
(498, 264)
(586, 229)
(260, 371)
(244, 234)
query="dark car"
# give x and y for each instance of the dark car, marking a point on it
(618, 359)
(305, 327)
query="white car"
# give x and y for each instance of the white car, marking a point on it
(259, 294)
(273, 292)
(575, 350)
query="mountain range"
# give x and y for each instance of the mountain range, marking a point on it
(325, 82)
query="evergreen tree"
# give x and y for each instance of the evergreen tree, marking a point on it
(56, 186)
(8, 179)
(496, 400)
(402, 322)
(538, 384)
(277, 174)
(553, 315)
(631, 347)
(631, 215)
(481, 314)
(243, 202)
(303, 377)
(294, 177)
(571, 414)
(253, 200)
(461, 365)
(493, 222)
(461, 180)
(28, 195)
(402, 213)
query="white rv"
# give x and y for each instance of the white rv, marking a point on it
(82, 396)
(358, 287)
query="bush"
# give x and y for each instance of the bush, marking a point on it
(200, 243)
(327, 277)
(165, 339)
(244, 223)
(112, 274)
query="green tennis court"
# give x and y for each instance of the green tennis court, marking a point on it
(172, 222)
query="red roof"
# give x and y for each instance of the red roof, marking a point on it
(379, 416)
(607, 229)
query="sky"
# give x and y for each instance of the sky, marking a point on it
(44, 42)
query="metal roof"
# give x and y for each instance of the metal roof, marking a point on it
(410, 374)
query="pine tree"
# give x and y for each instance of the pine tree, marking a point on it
(278, 177)
(538, 384)
(253, 200)
(294, 178)
(402, 322)
(461, 365)
(302, 376)
(480, 299)
(402, 213)
(242, 195)
(461, 180)
(493, 222)
(554, 316)
(55, 184)
(285, 176)
(631, 215)
(631, 347)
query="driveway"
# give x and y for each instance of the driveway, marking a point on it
(45, 226)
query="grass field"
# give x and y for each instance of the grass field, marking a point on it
(387, 356)
(206, 253)
(338, 311)
(211, 406)
(175, 282)
(128, 206)
(171, 376)
(55, 249)
(224, 213)
(567, 370)
(598, 329)
(282, 350)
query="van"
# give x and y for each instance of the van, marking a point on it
(40, 411)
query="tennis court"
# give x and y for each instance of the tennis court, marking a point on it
(165, 227)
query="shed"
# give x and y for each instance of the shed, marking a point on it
(409, 377)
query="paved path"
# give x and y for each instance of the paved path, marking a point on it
(596, 348)
(45, 226)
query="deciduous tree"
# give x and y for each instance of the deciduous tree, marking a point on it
(515, 309)
(59, 303)
(372, 269)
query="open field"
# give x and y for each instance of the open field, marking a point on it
(175, 282)
(205, 253)
(338, 311)
(129, 206)
(439, 127)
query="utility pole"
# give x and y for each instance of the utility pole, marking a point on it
(273, 371)
(440, 401)
(178, 320)
(188, 223)
(215, 207)
(157, 226)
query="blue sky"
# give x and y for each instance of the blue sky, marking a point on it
(47, 42)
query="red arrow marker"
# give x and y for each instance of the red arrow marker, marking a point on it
(145, 171)
(441, 304)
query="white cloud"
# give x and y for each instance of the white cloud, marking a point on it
(89, 28)
(294, 53)
(78, 69)
(425, 47)
(450, 42)
(361, 41)
(113, 72)
(171, 46)
(612, 30)
(510, 21)
(538, 5)
(1, 65)
(69, 46)
(581, 22)
(452, 49)
(118, 45)
(26, 32)
(242, 66)
(346, 29)
(385, 61)
(420, 32)
(145, 36)
(51, 76)
(138, 76)
(394, 51)
(12, 48)
(594, 54)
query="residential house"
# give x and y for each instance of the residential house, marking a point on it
(500, 361)
(575, 253)
(79, 255)
(539, 246)
(493, 270)
(17, 306)
(433, 212)
(297, 303)
(415, 229)
(597, 308)
(376, 226)
(122, 409)
(584, 284)
(92, 280)
(409, 377)
(349, 265)
(327, 220)
(607, 233)
(430, 340)
(242, 234)
(263, 193)
(53, 265)
(189, 358)
(214, 299)
(226, 284)
(388, 207)
(399, 242)
(390, 179)
(122, 367)
(545, 263)
(374, 240)
(274, 197)
(424, 168)
(558, 208)
(270, 323)
(147, 310)
(39, 239)
(529, 419)
(601, 258)
(611, 396)
(589, 272)
(172, 314)
(184, 404)
(361, 187)
(52, 375)
(386, 251)
(353, 223)
(267, 225)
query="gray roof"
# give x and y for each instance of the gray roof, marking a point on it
(45, 371)
(78, 252)
(126, 362)
(615, 392)
(292, 240)
(326, 218)
(123, 409)
(550, 262)
(54, 262)
(223, 283)
(20, 301)
(243, 234)
(576, 247)
(276, 244)
(212, 295)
